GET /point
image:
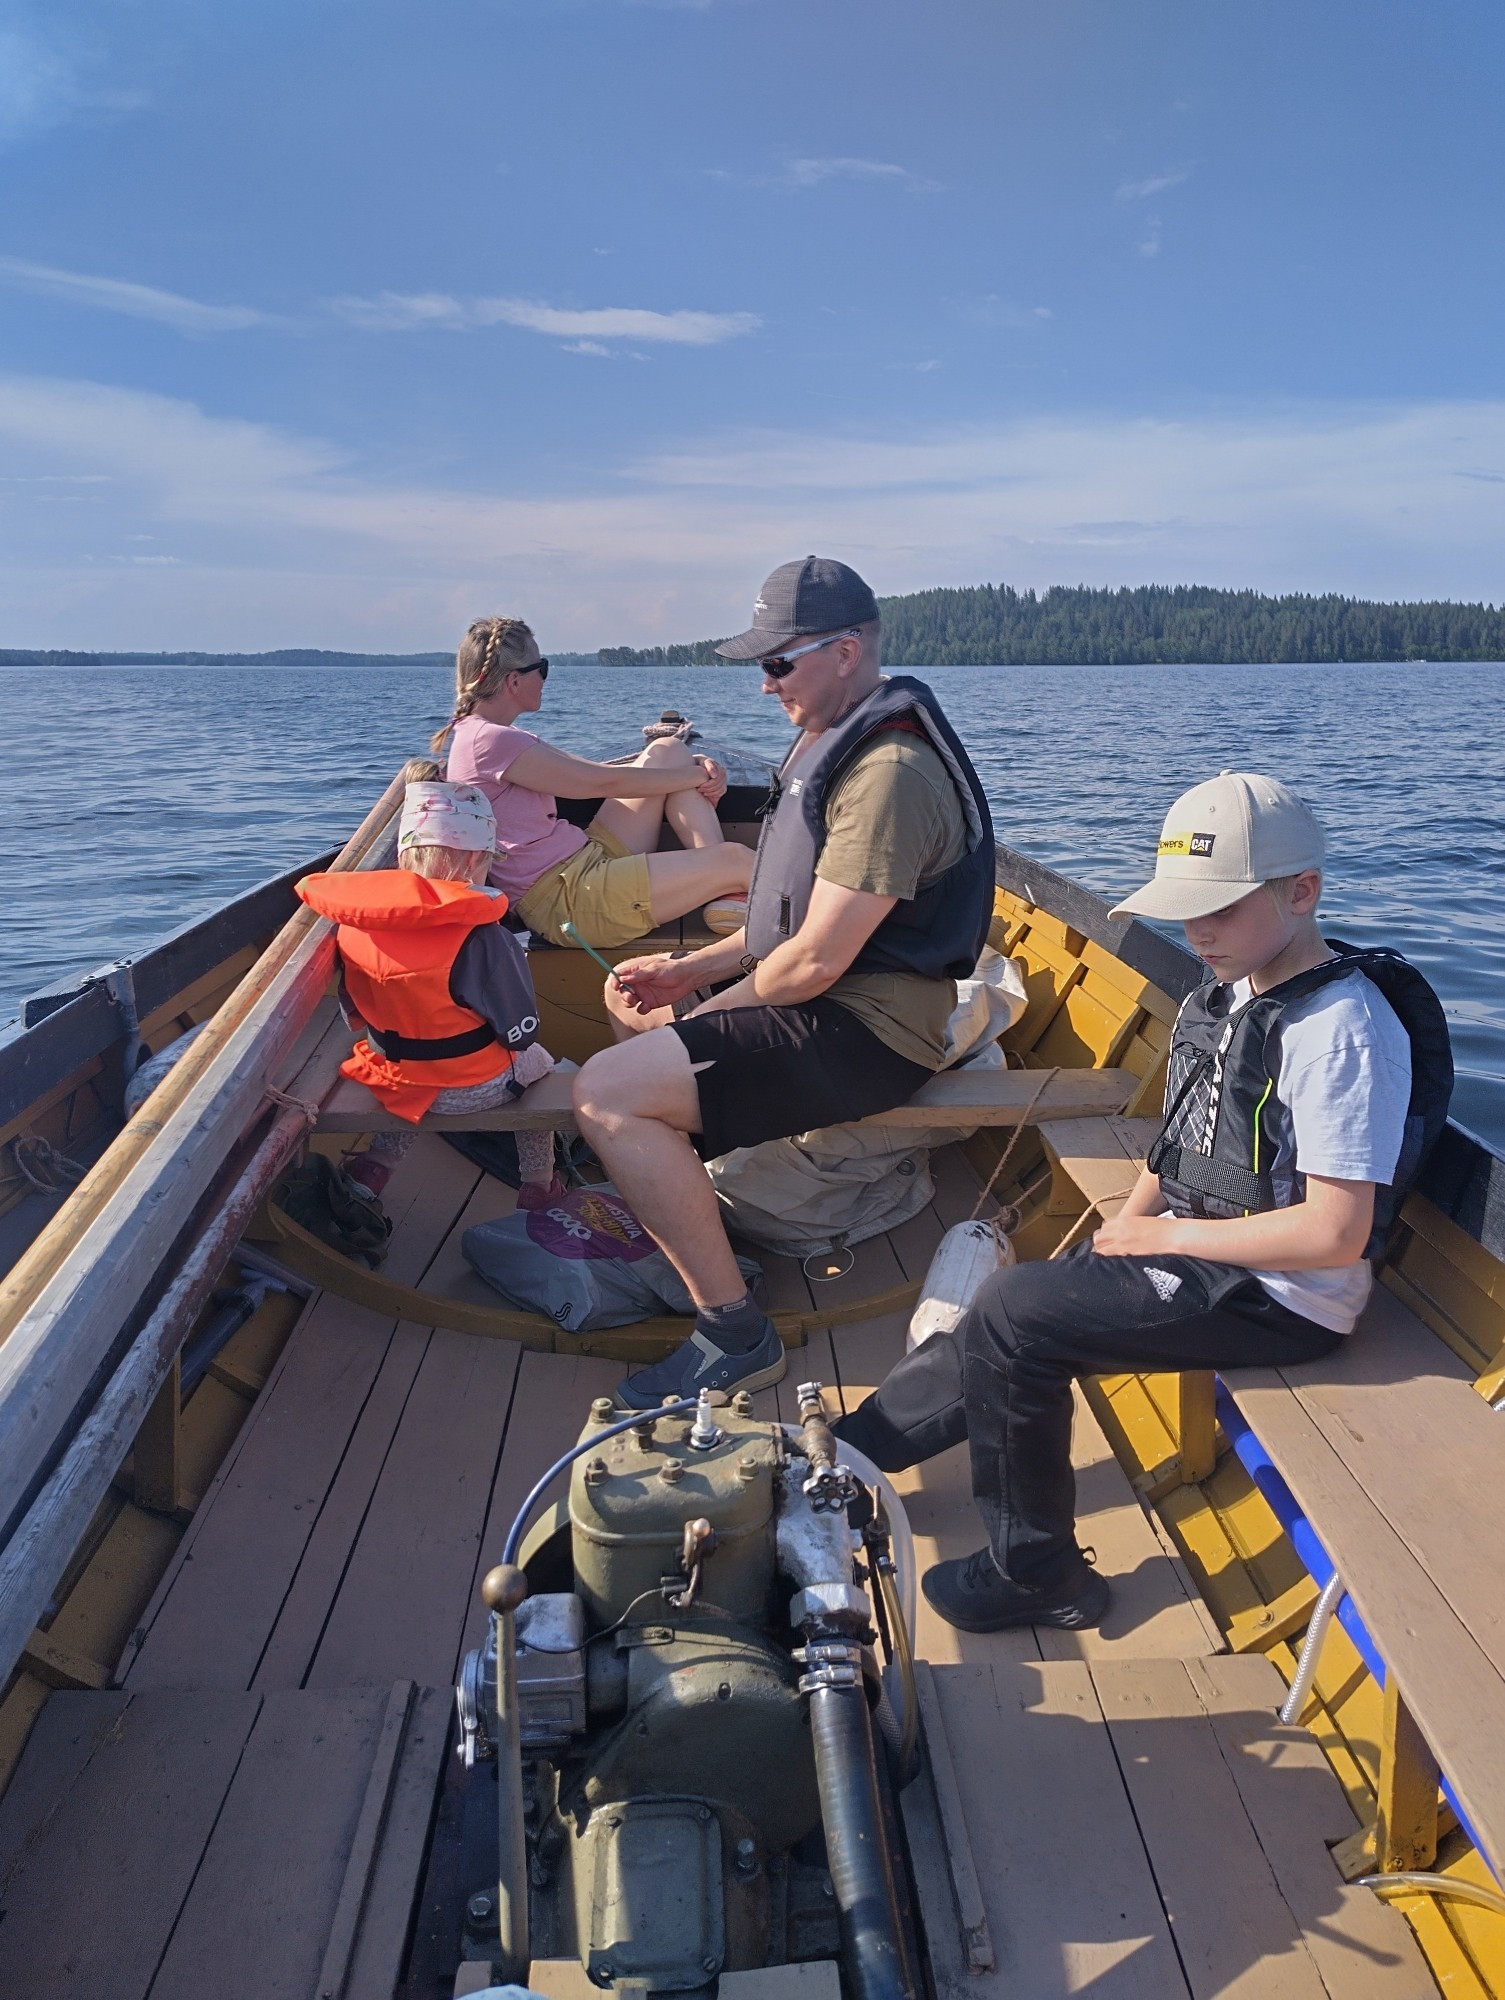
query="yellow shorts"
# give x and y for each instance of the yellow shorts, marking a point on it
(602, 890)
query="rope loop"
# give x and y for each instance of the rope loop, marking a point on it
(48, 1170)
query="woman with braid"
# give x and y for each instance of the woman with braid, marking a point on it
(609, 882)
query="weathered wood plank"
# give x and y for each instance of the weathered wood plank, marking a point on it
(1072, 1906)
(402, 1600)
(1234, 1933)
(1363, 1949)
(256, 1922)
(62, 1304)
(1451, 1686)
(304, 1611)
(92, 1896)
(210, 1626)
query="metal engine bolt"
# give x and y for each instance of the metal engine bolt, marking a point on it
(595, 1471)
(481, 1908)
(671, 1472)
(603, 1410)
(747, 1470)
(747, 1856)
(742, 1404)
(644, 1433)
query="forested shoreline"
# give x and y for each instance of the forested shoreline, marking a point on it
(1153, 624)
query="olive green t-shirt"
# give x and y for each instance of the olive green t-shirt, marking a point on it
(894, 825)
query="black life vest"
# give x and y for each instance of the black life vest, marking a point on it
(1216, 1150)
(940, 931)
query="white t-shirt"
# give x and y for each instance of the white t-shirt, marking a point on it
(1344, 1086)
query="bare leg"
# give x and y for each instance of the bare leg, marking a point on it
(623, 1018)
(682, 881)
(693, 818)
(635, 1104)
(637, 822)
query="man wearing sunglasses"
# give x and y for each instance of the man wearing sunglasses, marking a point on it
(871, 896)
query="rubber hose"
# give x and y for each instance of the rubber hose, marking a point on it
(856, 1850)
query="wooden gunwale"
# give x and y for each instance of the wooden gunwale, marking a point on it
(62, 1303)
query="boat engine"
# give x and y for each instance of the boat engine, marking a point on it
(679, 1694)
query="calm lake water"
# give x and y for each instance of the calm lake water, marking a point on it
(142, 797)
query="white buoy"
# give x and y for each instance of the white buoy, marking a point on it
(968, 1253)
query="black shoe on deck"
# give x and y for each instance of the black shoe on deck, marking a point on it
(974, 1595)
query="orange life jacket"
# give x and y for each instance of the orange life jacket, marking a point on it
(398, 938)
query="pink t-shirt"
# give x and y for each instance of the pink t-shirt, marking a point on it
(531, 838)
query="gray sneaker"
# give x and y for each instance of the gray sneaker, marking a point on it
(701, 1364)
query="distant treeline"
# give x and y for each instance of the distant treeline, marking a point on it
(286, 656)
(1186, 624)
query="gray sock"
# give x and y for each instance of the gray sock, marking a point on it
(737, 1328)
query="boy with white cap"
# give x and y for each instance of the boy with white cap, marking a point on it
(1306, 1082)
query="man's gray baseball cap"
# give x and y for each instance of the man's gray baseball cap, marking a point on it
(800, 599)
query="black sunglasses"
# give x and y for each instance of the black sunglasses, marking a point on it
(539, 667)
(779, 664)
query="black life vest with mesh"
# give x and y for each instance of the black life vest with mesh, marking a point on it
(1217, 1148)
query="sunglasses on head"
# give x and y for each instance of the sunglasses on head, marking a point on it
(539, 667)
(779, 664)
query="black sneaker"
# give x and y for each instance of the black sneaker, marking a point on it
(974, 1595)
(701, 1364)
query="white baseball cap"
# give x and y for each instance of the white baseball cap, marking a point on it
(1222, 839)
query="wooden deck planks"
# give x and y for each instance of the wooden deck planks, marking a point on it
(1234, 1932)
(91, 1894)
(255, 1926)
(304, 1610)
(220, 1600)
(401, 1603)
(1071, 1901)
(168, 1846)
(1362, 1947)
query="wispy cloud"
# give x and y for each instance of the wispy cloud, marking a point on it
(1146, 190)
(813, 173)
(119, 295)
(281, 539)
(401, 312)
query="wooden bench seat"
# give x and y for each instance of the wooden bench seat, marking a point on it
(1399, 1467)
(960, 1098)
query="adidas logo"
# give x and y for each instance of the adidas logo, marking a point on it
(1166, 1283)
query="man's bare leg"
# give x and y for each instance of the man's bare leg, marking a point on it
(635, 1104)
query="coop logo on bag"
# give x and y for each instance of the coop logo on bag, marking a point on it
(590, 1223)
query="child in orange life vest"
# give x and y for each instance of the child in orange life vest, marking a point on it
(442, 992)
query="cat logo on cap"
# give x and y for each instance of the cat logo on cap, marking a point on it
(1198, 845)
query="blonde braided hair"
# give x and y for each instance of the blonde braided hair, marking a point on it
(491, 649)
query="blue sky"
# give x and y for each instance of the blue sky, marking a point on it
(342, 322)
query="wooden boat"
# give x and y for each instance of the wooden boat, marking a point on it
(250, 1489)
